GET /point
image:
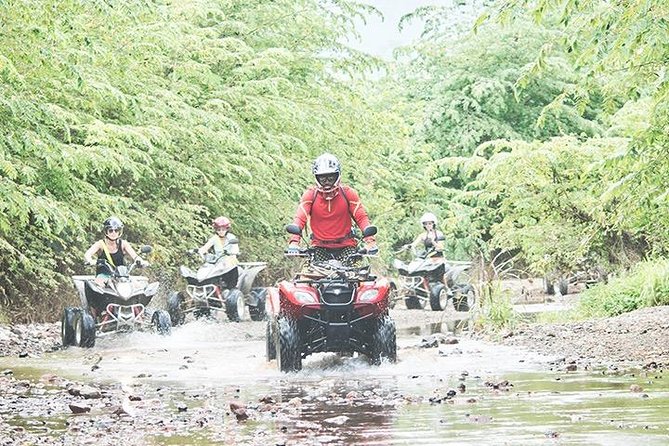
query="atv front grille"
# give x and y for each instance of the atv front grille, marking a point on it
(201, 293)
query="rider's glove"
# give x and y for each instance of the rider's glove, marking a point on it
(372, 250)
(141, 262)
(293, 249)
(90, 262)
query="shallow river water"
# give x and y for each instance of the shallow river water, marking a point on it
(345, 401)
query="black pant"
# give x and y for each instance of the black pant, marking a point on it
(341, 254)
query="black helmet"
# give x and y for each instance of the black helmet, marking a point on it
(113, 224)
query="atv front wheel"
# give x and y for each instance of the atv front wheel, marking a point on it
(84, 329)
(466, 299)
(235, 307)
(174, 301)
(162, 322)
(384, 342)
(438, 297)
(258, 311)
(288, 353)
(270, 340)
(67, 326)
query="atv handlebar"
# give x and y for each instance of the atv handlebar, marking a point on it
(309, 252)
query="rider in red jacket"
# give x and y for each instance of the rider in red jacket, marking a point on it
(329, 207)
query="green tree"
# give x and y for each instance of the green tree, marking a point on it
(166, 114)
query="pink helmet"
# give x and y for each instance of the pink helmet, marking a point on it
(221, 222)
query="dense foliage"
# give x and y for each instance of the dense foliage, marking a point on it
(168, 114)
(494, 102)
(539, 140)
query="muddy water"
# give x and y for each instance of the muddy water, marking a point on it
(344, 401)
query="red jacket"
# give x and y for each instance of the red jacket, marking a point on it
(330, 220)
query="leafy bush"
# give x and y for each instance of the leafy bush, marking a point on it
(647, 284)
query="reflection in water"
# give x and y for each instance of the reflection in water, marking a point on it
(455, 326)
(343, 411)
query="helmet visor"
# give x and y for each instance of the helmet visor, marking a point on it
(328, 179)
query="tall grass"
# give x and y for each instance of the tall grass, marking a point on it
(647, 284)
(497, 311)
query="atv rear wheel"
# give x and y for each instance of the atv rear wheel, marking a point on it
(258, 311)
(384, 342)
(563, 287)
(162, 322)
(393, 295)
(438, 297)
(235, 307)
(466, 298)
(67, 334)
(84, 329)
(174, 301)
(288, 353)
(270, 340)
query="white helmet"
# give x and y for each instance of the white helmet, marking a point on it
(326, 165)
(428, 216)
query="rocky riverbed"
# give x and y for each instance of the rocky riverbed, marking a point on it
(639, 339)
(94, 409)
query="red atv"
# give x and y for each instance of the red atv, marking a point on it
(330, 307)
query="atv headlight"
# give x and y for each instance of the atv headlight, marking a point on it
(124, 289)
(369, 295)
(305, 298)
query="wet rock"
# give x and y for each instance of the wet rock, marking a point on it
(341, 419)
(502, 385)
(428, 343)
(267, 408)
(239, 410)
(86, 392)
(352, 395)
(79, 408)
(7, 372)
(181, 407)
(551, 434)
(134, 398)
(571, 368)
(462, 388)
(267, 400)
(636, 388)
(302, 424)
(124, 410)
